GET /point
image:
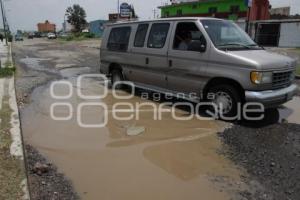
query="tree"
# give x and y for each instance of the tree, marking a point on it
(76, 17)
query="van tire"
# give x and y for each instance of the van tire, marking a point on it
(116, 76)
(229, 96)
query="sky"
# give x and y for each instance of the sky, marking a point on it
(25, 14)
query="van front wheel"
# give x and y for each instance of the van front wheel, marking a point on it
(225, 99)
(117, 76)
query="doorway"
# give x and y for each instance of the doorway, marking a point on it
(267, 34)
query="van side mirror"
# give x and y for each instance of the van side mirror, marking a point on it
(197, 46)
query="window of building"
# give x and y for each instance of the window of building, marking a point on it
(179, 12)
(119, 39)
(235, 9)
(187, 35)
(140, 35)
(158, 35)
(213, 10)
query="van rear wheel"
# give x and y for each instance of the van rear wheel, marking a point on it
(226, 100)
(117, 76)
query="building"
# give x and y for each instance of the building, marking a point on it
(259, 10)
(282, 13)
(276, 33)
(225, 9)
(97, 27)
(46, 27)
(286, 11)
(67, 27)
(113, 17)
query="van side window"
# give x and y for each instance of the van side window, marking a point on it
(140, 35)
(158, 35)
(119, 39)
(187, 37)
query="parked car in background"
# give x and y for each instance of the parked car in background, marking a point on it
(44, 34)
(51, 36)
(30, 36)
(63, 35)
(212, 59)
(37, 34)
(18, 37)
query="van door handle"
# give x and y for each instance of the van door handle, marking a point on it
(147, 61)
(170, 63)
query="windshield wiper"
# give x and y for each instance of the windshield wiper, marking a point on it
(255, 45)
(236, 44)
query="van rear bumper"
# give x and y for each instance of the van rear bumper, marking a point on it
(272, 98)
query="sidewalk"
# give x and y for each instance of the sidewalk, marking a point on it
(13, 179)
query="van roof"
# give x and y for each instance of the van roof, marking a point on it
(161, 19)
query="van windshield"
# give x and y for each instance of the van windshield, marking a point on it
(227, 35)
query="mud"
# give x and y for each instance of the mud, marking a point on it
(290, 112)
(139, 158)
(51, 185)
(35, 68)
(39, 61)
(169, 160)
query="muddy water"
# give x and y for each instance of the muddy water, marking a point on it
(166, 159)
(291, 111)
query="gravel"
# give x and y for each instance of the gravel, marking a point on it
(47, 185)
(271, 157)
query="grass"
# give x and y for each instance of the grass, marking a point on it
(298, 70)
(11, 173)
(8, 69)
(6, 72)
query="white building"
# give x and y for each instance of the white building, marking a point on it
(67, 27)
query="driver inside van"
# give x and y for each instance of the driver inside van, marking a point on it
(186, 39)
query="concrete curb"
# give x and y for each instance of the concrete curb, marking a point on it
(17, 146)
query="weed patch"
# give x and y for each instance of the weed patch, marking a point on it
(6, 72)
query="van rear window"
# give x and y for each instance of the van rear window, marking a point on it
(119, 39)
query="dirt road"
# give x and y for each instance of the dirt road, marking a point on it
(139, 158)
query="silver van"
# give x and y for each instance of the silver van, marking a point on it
(197, 57)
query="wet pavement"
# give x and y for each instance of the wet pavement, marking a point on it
(133, 159)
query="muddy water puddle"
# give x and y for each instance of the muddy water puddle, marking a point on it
(291, 111)
(134, 159)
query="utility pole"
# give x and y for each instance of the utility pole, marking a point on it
(249, 4)
(118, 9)
(4, 23)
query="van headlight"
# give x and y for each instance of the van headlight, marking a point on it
(261, 77)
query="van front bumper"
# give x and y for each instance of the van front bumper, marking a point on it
(272, 98)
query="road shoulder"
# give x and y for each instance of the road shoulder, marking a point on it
(13, 178)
